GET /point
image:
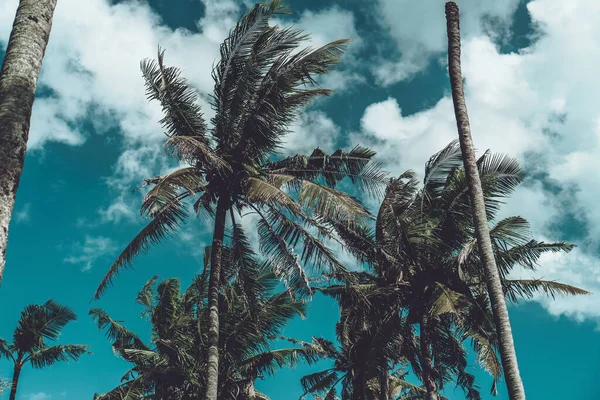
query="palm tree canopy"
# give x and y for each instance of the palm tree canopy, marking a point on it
(423, 259)
(40, 324)
(252, 313)
(262, 82)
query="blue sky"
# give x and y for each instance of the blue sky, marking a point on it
(530, 86)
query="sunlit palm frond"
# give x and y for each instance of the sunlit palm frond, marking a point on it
(169, 188)
(514, 289)
(331, 204)
(262, 192)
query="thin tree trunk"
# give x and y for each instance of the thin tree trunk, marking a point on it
(15, 380)
(18, 81)
(427, 360)
(384, 381)
(506, 345)
(212, 379)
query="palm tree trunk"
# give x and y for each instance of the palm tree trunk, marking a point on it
(18, 81)
(214, 283)
(384, 381)
(15, 380)
(506, 345)
(427, 360)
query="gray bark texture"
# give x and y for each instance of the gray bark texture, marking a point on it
(214, 283)
(18, 81)
(427, 360)
(492, 277)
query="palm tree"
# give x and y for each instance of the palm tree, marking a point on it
(261, 84)
(18, 81)
(252, 313)
(508, 355)
(424, 271)
(37, 325)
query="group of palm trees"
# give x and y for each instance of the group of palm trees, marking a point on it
(434, 276)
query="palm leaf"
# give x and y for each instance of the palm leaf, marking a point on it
(526, 288)
(60, 353)
(164, 222)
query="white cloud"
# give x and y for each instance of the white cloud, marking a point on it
(92, 249)
(39, 396)
(311, 130)
(539, 102)
(419, 29)
(23, 214)
(91, 69)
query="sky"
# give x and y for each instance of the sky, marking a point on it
(530, 84)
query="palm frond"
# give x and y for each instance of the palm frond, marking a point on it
(262, 192)
(514, 289)
(60, 353)
(164, 222)
(331, 204)
(329, 170)
(145, 296)
(115, 332)
(5, 350)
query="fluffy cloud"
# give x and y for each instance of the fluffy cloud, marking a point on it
(91, 72)
(39, 396)
(92, 249)
(312, 129)
(537, 105)
(23, 214)
(419, 29)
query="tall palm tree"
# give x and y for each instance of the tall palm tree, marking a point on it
(171, 367)
(38, 325)
(508, 355)
(18, 81)
(261, 84)
(424, 270)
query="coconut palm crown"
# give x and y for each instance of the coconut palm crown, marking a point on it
(262, 82)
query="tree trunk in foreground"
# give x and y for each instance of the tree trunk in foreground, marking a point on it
(427, 361)
(494, 286)
(384, 381)
(15, 380)
(18, 81)
(212, 379)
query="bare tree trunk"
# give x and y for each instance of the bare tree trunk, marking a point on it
(384, 381)
(427, 360)
(214, 283)
(494, 286)
(18, 81)
(15, 380)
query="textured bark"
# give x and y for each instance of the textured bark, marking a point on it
(212, 379)
(18, 81)
(427, 361)
(384, 381)
(15, 380)
(494, 286)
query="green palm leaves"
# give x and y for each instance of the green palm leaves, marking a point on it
(426, 288)
(172, 364)
(40, 324)
(262, 82)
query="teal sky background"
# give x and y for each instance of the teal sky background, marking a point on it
(64, 237)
